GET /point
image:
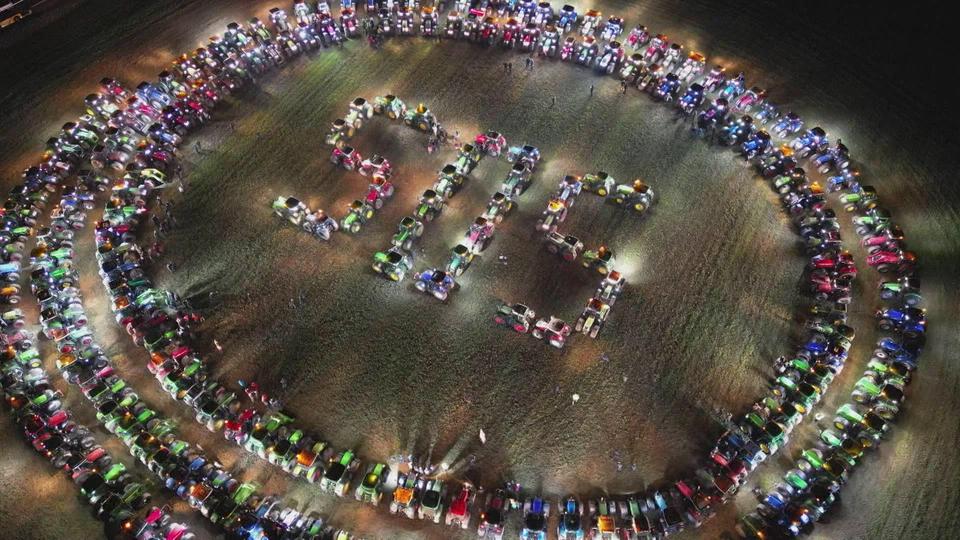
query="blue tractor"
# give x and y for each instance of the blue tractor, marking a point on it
(434, 281)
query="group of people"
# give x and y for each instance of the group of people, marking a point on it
(439, 136)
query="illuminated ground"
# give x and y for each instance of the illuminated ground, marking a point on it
(713, 273)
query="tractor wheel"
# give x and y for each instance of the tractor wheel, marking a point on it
(423, 126)
(378, 203)
(355, 227)
(602, 192)
(912, 299)
(885, 325)
(369, 214)
(884, 268)
(579, 325)
(387, 191)
(569, 255)
(553, 248)
(886, 294)
(394, 276)
(350, 131)
(519, 328)
(640, 207)
(391, 115)
(421, 286)
(499, 320)
(537, 334)
(486, 243)
(440, 295)
(429, 216)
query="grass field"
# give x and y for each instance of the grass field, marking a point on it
(712, 272)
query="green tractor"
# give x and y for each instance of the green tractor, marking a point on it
(339, 473)
(460, 259)
(449, 181)
(601, 260)
(600, 183)
(408, 231)
(430, 206)
(358, 214)
(420, 118)
(390, 106)
(468, 158)
(371, 489)
(637, 195)
(393, 263)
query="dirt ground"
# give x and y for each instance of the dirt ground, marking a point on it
(712, 271)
